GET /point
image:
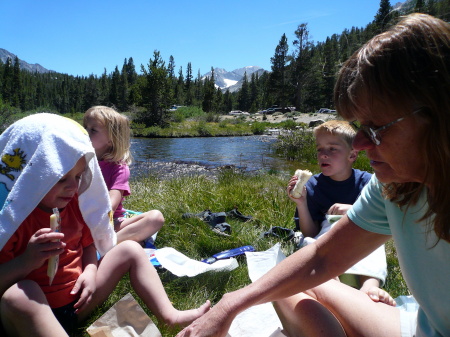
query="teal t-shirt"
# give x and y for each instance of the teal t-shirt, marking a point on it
(423, 260)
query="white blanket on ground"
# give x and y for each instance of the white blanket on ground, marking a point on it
(260, 320)
(373, 265)
(36, 152)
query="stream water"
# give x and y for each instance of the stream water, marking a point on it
(248, 152)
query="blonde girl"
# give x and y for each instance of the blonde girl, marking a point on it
(110, 134)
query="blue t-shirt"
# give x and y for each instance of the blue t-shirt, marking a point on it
(423, 258)
(324, 192)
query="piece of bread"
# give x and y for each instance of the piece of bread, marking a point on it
(303, 177)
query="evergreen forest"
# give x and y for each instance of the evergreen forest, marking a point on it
(302, 75)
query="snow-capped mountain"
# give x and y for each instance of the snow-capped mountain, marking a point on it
(231, 79)
(4, 55)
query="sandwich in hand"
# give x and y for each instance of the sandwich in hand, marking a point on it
(303, 177)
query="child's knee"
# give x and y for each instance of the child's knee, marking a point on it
(128, 248)
(20, 297)
(155, 217)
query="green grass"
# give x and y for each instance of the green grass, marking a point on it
(263, 196)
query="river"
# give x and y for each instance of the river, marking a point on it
(248, 152)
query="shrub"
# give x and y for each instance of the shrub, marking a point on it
(202, 129)
(258, 128)
(288, 124)
(298, 145)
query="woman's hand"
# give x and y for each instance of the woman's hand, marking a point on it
(42, 245)
(216, 322)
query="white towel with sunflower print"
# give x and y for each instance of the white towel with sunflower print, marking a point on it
(35, 153)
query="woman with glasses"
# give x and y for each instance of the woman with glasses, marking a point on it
(397, 90)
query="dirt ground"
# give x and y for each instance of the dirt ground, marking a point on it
(276, 118)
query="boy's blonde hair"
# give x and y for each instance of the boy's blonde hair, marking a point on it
(118, 128)
(342, 129)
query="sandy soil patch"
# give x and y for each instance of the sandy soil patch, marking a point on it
(277, 118)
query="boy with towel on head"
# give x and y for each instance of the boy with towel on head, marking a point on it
(48, 165)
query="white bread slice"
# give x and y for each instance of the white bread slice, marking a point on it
(303, 177)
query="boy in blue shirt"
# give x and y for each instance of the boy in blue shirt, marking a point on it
(333, 191)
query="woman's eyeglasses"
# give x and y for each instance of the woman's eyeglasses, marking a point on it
(374, 134)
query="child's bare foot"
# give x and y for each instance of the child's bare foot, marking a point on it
(186, 317)
(380, 295)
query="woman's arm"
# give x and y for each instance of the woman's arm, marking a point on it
(329, 256)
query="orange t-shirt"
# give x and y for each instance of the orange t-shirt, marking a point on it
(77, 236)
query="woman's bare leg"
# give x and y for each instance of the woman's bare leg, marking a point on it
(301, 316)
(24, 311)
(129, 257)
(357, 313)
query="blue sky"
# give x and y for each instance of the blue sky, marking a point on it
(84, 37)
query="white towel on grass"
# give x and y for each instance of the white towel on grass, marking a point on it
(36, 152)
(373, 265)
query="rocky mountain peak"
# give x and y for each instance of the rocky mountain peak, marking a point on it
(4, 55)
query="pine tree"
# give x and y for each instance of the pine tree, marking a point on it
(198, 90)
(302, 75)
(209, 93)
(431, 7)
(278, 78)
(227, 101)
(218, 101)
(16, 86)
(383, 16)
(419, 6)
(255, 103)
(244, 95)
(179, 89)
(7, 82)
(171, 67)
(189, 85)
(131, 72)
(115, 87)
(123, 90)
(156, 92)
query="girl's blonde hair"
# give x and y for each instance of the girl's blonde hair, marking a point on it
(407, 68)
(119, 132)
(339, 128)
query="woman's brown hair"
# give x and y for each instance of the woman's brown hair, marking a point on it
(407, 67)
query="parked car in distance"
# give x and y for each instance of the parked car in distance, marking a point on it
(325, 111)
(238, 113)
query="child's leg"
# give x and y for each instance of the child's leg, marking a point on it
(355, 311)
(129, 257)
(25, 302)
(140, 227)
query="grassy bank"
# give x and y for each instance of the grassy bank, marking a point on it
(262, 196)
(191, 122)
